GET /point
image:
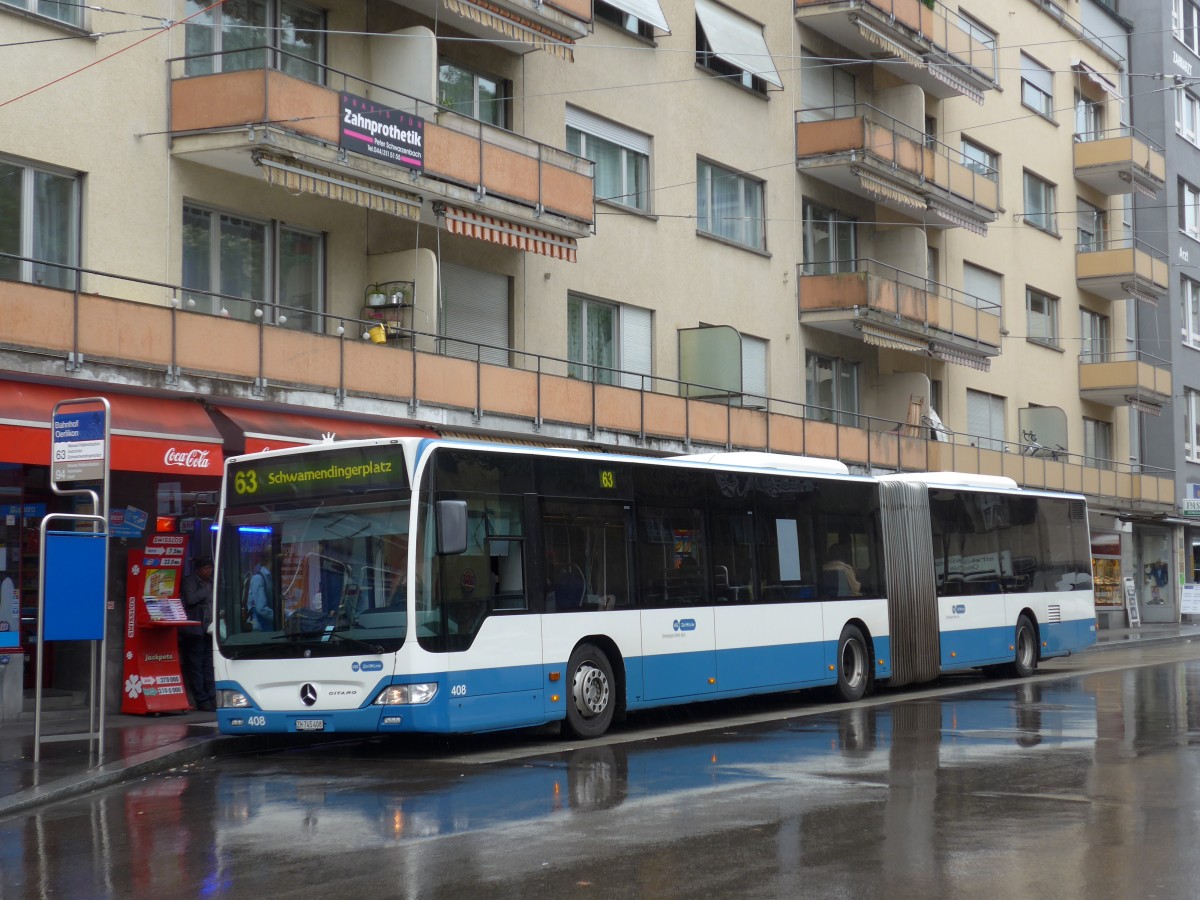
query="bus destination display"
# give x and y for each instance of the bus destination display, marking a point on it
(339, 472)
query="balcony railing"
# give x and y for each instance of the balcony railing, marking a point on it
(928, 43)
(1118, 268)
(871, 153)
(428, 377)
(1120, 160)
(1125, 378)
(459, 151)
(844, 294)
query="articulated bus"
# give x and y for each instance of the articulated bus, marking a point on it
(416, 585)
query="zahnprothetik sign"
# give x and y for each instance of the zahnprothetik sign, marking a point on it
(77, 453)
(382, 132)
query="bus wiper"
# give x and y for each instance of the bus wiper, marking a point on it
(324, 635)
(253, 650)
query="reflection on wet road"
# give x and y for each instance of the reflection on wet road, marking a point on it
(1077, 786)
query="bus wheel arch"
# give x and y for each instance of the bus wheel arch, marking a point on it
(1026, 645)
(594, 691)
(855, 672)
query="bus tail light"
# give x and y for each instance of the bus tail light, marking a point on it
(398, 694)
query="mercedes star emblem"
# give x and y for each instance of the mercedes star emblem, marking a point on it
(308, 694)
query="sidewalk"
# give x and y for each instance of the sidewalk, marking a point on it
(142, 745)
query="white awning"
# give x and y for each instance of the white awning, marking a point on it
(1096, 78)
(882, 337)
(947, 76)
(649, 11)
(737, 40)
(886, 191)
(511, 26)
(299, 178)
(960, 357)
(954, 217)
(879, 39)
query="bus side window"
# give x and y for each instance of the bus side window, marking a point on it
(586, 555)
(672, 554)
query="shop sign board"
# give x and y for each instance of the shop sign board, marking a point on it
(379, 131)
(1189, 601)
(1190, 504)
(1131, 607)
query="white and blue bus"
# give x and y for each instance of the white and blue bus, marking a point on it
(416, 585)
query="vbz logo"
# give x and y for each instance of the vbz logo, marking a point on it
(958, 609)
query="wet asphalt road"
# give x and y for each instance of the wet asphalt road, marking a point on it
(1080, 785)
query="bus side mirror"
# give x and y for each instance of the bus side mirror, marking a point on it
(451, 527)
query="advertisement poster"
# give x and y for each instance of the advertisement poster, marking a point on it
(381, 132)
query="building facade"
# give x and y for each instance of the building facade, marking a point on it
(881, 232)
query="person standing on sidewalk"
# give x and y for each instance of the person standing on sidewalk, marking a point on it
(195, 641)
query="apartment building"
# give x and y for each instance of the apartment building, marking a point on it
(892, 233)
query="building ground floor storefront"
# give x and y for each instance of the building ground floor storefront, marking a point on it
(166, 459)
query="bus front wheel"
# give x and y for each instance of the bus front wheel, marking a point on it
(1025, 653)
(591, 700)
(853, 665)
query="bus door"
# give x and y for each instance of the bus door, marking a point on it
(679, 651)
(491, 635)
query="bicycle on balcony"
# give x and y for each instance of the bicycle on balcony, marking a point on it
(1032, 447)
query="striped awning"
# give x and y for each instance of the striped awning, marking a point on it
(513, 26)
(886, 191)
(300, 178)
(882, 337)
(886, 43)
(946, 75)
(509, 234)
(960, 357)
(954, 217)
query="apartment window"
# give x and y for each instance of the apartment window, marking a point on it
(1191, 412)
(1185, 22)
(605, 337)
(985, 420)
(981, 33)
(1094, 336)
(1041, 317)
(1039, 204)
(831, 389)
(39, 216)
(754, 371)
(1091, 226)
(255, 34)
(253, 264)
(732, 46)
(730, 205)
(627, 21)
(1187, 115)
(621, 155)
(980, 160)
(1189, 209)
(1191, 311)
(983, 288)
(69, 13)
(1097, 444)
(829, 241)
(1089, 117)
(1037, 87)
(826, 89)
(473, 94)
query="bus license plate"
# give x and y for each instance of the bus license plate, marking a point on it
(310, 724)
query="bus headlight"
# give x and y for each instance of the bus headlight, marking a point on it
(232, 700)
(399, 694)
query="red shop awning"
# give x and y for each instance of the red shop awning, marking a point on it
(268, 429)
(149, 434)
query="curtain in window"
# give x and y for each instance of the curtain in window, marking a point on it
(299, 278)
(726, 206)
(10, 220)
(200, 37)
(243, 264)
(244, 28)
(300, 39)
(53, 228)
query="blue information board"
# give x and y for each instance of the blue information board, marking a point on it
(75, 590)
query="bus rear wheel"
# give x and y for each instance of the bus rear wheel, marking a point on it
(853, 668)
(1025, 655)
(591, 700)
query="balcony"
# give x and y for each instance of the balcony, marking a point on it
(886, 307)
(930, 46)
(1125, 379)
(870, 154)
(80, 339)
(260, 122)
(1121, 268)
(1118, 161)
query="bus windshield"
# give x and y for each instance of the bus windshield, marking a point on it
(323, 580)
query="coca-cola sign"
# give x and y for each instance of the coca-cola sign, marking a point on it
(187, 459)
